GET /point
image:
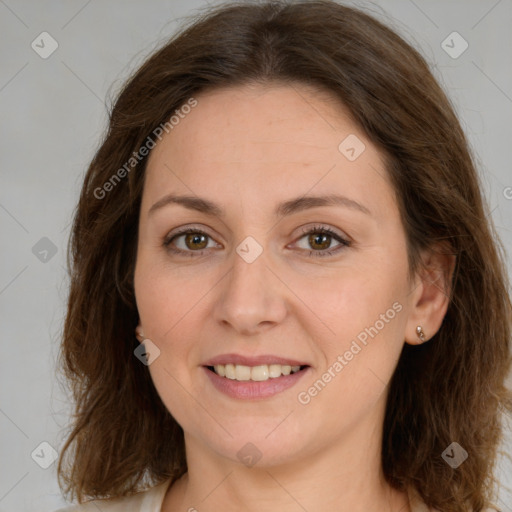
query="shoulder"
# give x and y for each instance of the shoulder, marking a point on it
(146, 501)
(418, 505)
(131, 503)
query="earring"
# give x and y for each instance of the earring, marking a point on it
(420, 333)
(139, 333)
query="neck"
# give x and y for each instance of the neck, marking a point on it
(345, 477)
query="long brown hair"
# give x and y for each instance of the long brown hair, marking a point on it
(123, 438)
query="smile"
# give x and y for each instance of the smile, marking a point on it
(258, 373)
(259, 382)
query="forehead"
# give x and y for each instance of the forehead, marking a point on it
(262, 140)
(265, 115)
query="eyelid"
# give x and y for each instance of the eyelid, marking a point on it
(183, 230)
(342, 239)
(326, 229)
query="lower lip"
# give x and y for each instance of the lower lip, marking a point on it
(254, 390)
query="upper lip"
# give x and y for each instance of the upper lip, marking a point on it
(252, 360)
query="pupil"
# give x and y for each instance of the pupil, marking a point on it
(318, 239)
(320, 236)
(195, 239)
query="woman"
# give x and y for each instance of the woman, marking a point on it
(287, 292)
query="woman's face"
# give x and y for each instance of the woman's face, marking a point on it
(260, 284)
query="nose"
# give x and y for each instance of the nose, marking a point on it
(252, 298)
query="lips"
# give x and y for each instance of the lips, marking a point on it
(253, 377)
(238, 359)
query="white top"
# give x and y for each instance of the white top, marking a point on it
(147, 501)
(152, 499)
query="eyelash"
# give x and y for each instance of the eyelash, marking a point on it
(315, 229)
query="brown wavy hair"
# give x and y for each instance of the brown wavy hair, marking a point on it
(122, 438)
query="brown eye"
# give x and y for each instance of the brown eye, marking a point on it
(195, 240)
(320, 238)
(320, 241)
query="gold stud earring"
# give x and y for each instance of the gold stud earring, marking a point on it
(420, 333)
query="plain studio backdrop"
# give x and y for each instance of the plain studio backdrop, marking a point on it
(52, 99)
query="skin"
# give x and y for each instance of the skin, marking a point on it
(247, 149)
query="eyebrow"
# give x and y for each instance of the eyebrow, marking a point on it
(285, 208)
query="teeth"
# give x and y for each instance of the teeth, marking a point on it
(242, 372)
(255, 373)
(259, 372)
(230, 371)
(286, 369)
(274, 370)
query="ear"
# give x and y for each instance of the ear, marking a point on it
(139, 333)
(431, 293)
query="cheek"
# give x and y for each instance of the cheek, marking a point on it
(355, 299)
(365, 311)
(167, 314)
(359, 360)
(165, 296)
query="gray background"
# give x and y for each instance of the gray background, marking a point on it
(53, 113)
